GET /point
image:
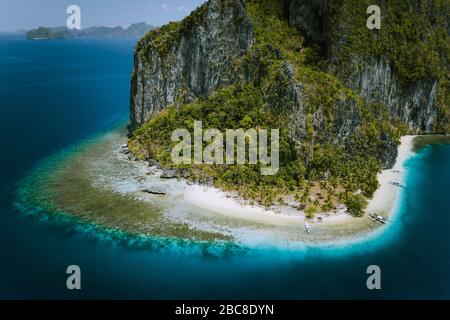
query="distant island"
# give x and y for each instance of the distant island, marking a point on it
(135, 30)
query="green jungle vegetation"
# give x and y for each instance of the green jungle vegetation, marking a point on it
(317, 168)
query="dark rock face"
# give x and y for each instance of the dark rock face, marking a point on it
(414, 103)
(309, 16)
(168, 174)
(198, 63)
(374, 79)
(388, 152)
(287, 97)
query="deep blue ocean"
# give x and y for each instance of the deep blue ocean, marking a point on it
(55, 93)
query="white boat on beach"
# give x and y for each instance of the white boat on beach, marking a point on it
(378, 218)
(307, 227)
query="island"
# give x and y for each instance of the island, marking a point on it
(351, 105)
(134, 30)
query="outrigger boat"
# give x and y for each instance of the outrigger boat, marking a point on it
(398, 184)
(378, 218)
(307, 227)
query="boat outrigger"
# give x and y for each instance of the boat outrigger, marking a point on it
(378, 218)
(398, 184)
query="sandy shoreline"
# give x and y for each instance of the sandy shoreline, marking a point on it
(223, 203)
(384, 199)
(107, 186)
(213, 199)
(382, 203)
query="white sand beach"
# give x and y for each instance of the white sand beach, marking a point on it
(224, 203)
(213, 199)
(203, 209)
(385, 197)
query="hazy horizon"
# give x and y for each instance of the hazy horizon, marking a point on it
(17, 15)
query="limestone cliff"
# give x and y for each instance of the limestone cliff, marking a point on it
(220, 44)
(182, 61)
(413, 36)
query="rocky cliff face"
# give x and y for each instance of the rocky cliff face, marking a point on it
(373, 75)
(196, 62)
(180, 62)
(414, 103)
(311, 17)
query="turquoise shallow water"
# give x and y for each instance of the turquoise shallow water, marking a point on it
(56, 93)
